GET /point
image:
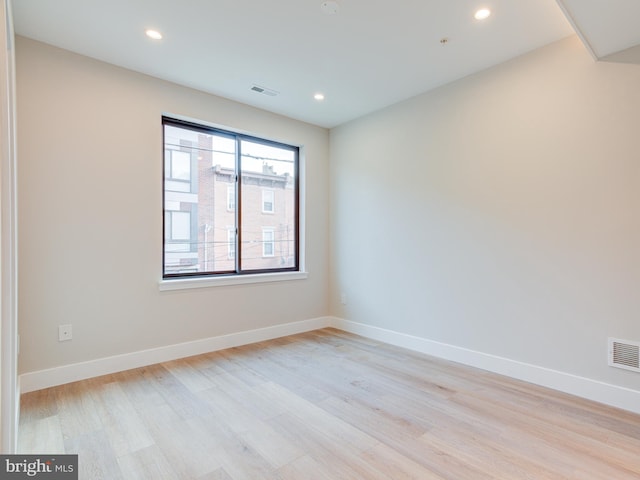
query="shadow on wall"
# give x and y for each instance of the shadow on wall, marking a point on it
(630, 55)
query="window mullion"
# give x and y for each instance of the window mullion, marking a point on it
(238, 189)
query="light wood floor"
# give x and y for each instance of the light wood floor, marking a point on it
(326, 405)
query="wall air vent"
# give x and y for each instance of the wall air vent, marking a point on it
(264, 90)
(624, 354)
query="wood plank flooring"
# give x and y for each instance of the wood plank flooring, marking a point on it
(321, 406)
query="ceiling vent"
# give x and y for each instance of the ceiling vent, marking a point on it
(624, 354)
(264, 90)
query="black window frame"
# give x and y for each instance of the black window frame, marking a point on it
(238, 137)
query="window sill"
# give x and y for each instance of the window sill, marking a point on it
(203, 282)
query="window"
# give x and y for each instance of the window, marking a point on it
(268, 242)
(178, 165)
(178, 231)
(231, 242)
(177, 168)
(217, 187)
(267, 201)
(231, 197)
(180, 225)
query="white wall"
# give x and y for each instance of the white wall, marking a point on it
(500, 213)
(90, 186)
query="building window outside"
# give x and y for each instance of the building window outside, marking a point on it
(217, 183)
(177, 231)
(180, 226)
(231, 197)
(177, 168)
(178, 165)
(231, 242)
(267, 201)
(268, 242)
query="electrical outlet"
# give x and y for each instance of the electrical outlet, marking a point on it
(65, 333)
(343, 298)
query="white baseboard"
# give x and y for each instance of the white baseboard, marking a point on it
(601, 392)
(605, 393)
(80, 371)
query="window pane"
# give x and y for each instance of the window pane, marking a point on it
(268, 179)
(201, 166)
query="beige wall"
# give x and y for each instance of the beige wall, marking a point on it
(500, 213)
(90, 221)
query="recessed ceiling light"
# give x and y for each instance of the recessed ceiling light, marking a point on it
(319, 96)
(482, 14)
(156, 35)
(329, 8)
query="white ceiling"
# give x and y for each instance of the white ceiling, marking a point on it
(371, 54)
